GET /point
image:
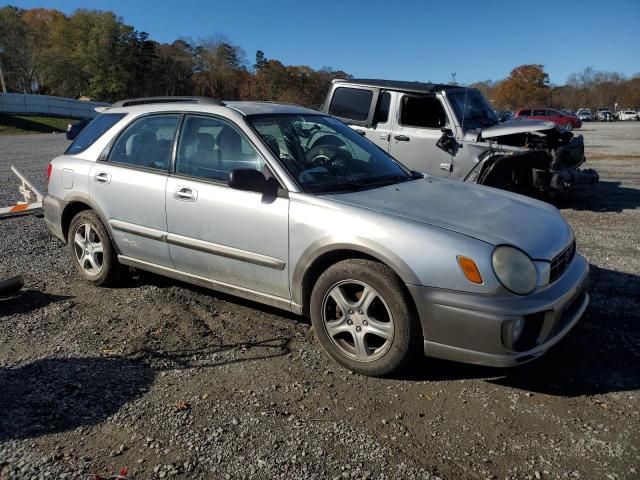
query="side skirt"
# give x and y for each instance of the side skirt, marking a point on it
(252, 295)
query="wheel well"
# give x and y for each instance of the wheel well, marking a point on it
(69, 212)
(324, 261)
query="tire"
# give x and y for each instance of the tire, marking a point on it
(91, 250)
(568, 126)
(375, 340)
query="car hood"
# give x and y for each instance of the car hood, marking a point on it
(512, 127)
(488, 214)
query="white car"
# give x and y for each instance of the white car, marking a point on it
(627, 115)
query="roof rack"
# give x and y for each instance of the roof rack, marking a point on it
(417, 87)
(151, 100)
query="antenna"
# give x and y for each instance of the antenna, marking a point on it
(453, 78)
(464, 109)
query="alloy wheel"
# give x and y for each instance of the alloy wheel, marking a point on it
(358, 320)
(88, 249)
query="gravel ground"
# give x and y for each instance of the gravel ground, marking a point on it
(175, 381)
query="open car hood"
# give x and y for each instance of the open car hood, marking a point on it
(515, 126)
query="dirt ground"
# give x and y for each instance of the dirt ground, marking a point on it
(176, 381)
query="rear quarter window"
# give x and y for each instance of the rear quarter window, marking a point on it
(351, 103)
(93, 131)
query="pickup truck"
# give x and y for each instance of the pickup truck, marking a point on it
(452, 131)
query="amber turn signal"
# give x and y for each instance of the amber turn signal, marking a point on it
(470, 269)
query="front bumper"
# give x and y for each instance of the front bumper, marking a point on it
(470, 328)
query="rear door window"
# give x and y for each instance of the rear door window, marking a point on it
(351, 103)
(539, 113)
(423, 112)
(147, 142)
(93, 131)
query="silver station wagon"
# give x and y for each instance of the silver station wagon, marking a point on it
(289, 207)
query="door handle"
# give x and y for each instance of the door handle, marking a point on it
(384, 136)
(185, 194)
(401, 138)
(361, 132)
(102, 177)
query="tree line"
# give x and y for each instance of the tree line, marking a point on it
(529, 86)
(94, 54)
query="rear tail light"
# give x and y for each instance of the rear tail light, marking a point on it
(49, 169)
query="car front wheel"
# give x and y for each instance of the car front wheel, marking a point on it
(362, 318)
(91, 250)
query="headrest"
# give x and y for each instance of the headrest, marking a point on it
(204, 141)
(228, 140)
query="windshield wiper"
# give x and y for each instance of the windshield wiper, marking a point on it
(394, 179)
(336, 187)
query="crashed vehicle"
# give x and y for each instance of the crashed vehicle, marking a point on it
(451, 131)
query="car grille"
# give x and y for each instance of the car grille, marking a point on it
(561, 261)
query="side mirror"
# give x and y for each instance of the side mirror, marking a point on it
(448, 142)
(252, 180)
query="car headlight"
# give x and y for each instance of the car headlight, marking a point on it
(514, 269)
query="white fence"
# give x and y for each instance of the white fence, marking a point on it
(47, 105)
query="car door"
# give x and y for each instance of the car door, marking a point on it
(556, 117)
(128, 186)
(417, 127)
(380, 130)
(539, 115)
(235, 237)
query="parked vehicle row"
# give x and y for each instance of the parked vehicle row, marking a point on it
(290, 207)
(606, 115)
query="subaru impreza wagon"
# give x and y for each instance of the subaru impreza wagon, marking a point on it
(289, 207)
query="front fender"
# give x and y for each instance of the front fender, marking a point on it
(419, 253)
(332, 243)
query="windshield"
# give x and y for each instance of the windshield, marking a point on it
(472, 109)
(325, 155)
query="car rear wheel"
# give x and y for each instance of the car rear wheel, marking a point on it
(91, 250)
(362, 318)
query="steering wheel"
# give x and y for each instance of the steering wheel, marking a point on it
(336, 160)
